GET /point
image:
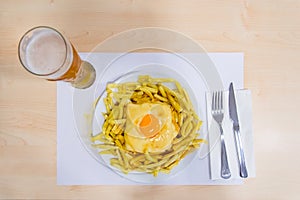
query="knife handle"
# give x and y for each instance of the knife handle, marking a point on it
(225, 171)
(241, 156)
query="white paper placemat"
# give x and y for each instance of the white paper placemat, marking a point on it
(76, 167)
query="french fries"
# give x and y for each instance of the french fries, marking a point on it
(111, 140)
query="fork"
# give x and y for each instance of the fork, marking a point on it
(217, 112)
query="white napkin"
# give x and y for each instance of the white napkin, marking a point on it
(244, 108)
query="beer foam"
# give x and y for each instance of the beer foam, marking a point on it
(46, 52)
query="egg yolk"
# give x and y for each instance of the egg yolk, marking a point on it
(149, 125)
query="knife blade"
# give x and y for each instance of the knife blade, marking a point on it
(236, 129)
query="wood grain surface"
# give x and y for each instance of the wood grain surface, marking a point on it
(267, 31)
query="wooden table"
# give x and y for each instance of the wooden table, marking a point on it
(268, 32)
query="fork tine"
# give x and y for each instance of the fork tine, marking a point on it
(213, 101)
(221, 100)
(218, 101)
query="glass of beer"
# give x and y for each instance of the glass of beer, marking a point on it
(46, 53)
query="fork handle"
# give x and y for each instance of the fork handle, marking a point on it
(225, 171)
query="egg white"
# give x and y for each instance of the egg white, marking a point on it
(136, 141)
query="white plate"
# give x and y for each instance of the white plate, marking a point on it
(197, 75)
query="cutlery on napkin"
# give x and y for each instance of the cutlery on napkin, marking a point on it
(244, 108)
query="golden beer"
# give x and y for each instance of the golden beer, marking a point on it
(46, 53)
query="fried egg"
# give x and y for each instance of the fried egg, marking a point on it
(149, 127)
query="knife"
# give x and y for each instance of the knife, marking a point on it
(236, 129)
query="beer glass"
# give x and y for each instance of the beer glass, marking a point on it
(46, 53)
